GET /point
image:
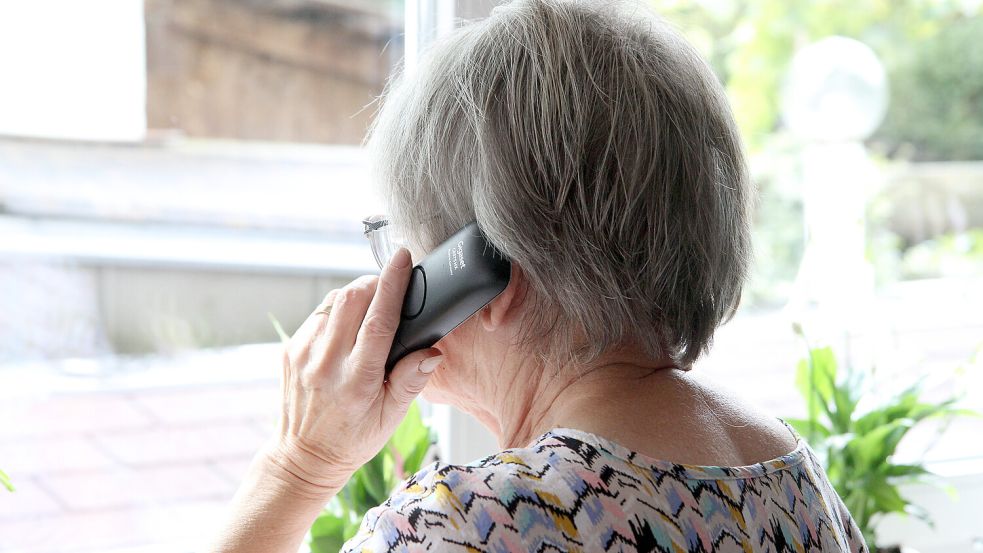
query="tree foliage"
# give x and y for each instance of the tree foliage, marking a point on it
(750, 43)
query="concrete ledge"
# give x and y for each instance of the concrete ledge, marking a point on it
(173, 246)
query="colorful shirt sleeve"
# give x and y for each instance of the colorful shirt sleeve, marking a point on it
(423, 515)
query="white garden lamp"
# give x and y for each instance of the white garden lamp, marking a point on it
(834, 97)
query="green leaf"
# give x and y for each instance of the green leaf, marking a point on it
(886, 497)
(373, 478)
(964, 413)
(359, 497)
(389, 475)
(873, 419)
(856, 502)
(816, 380)
(327, 533)
(412, 441)
(824, 365)
(351, 528)
(327, 524)
(845, 405)
(5, 481)
(804, 384)
(806, 427)
(872, 449)
(908, 471)
(410, 431)
(278, 328)
(414, 461)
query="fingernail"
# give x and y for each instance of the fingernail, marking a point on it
(428, 365)
(401, 259)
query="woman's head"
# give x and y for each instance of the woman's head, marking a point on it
(596, 149)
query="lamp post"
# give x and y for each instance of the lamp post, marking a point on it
(835, 96)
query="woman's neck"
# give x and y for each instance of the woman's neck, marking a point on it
(654, 409)
(532, 401)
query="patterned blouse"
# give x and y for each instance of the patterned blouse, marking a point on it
(570, 490)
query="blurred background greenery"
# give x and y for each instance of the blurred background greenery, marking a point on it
(933, 127)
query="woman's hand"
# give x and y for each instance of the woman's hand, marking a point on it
(338, 407)
(338, 411)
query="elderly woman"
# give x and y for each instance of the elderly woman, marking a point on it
(595, 148)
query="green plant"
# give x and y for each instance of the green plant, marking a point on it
(5, 481)
(372, 483)
(856, 441)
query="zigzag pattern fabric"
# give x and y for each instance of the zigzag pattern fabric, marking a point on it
(574, 491)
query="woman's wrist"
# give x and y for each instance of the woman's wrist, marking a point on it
(302, 474)
(276, 503)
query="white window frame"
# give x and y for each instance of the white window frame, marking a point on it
(460, 438)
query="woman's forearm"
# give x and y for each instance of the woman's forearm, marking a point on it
(339, 407)
(272, 509)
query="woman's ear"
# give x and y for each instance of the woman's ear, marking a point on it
(506, 305)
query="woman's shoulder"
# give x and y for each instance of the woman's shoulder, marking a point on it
(569, 489)
(469, 505)
(497, 476)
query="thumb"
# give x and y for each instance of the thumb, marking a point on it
(410, 376)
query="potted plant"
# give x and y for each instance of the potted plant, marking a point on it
(372, 484)
(856, 440)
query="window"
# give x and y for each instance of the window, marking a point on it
(173, 174)
(177, 176)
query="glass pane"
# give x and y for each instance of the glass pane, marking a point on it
(179, 180)
(280, 71)
(864, 126)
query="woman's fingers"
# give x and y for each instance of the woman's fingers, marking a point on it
(337, 409)
(375, 336)
(313, 326)
(408, 378)
(350, 305)
(329, 331)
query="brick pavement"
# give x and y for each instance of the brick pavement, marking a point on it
(108, 470)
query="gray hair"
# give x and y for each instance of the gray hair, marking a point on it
(595, 148)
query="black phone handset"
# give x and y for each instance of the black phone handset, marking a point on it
(459, 277)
